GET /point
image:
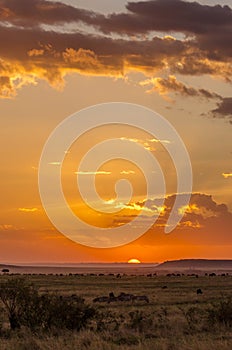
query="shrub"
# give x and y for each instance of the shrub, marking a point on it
(25, 307)
(221, 313)
(15, 294)
(65, 313)
(139, 321)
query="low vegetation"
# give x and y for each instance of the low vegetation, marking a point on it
(58, 312)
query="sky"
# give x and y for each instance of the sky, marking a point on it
(172, 56)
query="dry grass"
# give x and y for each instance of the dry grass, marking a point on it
(175, 318)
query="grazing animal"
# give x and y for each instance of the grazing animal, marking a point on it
(141, 297)
(112, 298)
(199, 291)
(125, 297)
(121, 297)
(101, 299)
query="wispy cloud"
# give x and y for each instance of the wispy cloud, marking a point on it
(93, 172)
(127, 172)
(140, 206)
(6, 227)
(170, 84)
(226, 175)
(191, 224)
(158, 141)
(28, 210)
(144, 143)
(55, 163)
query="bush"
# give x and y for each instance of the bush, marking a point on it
(221, 313)
(65, 313)
(15, 294)
(25, 307)
(139, 321)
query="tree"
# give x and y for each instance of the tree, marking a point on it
(5, 270)
(14, 294)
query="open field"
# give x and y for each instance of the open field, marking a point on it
(176, 317)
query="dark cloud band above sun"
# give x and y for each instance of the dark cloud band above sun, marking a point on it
(122, 43)
(209, 220)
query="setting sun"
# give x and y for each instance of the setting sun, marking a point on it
(134, 261)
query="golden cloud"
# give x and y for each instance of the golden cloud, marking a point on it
(28, 210)
(226, 175)
(31, 52)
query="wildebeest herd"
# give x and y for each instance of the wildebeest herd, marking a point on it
(121, 297)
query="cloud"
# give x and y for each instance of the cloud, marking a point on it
(7, 227)
(226, 175)
(127, 172)
(146, 143)
(32, 13)
(137, 207)
(54, 163)
(35, 47)
(157, 141)
(92, 172)
(224, 108)
(201, 212)
(165, 85)
(195, 224)
(28, 210)
(167, 15)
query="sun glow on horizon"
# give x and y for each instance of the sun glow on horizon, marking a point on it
(134, 261)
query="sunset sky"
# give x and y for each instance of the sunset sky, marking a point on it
(172, 56)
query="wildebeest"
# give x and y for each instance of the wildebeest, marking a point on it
(112, 298)
(121, 297)
(199, 291)
(103, 299)
(125, 296)
(213, 274)
(140, 297)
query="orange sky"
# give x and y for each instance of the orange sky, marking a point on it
(58, 58)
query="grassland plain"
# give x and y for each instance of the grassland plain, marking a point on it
(175, 318)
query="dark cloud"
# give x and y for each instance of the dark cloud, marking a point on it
(171, 84)
(204, 222)
(224, 108)
(50, 55)
(168, 16)
(210, 25)
(140, 17)
(31, 52)
(202, 209)
(36, 12)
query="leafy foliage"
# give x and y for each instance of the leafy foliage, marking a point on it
(26, 307)
(221, 313)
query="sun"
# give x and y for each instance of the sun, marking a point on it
(134, 261)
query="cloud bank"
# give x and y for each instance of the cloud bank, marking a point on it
(159, 38)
